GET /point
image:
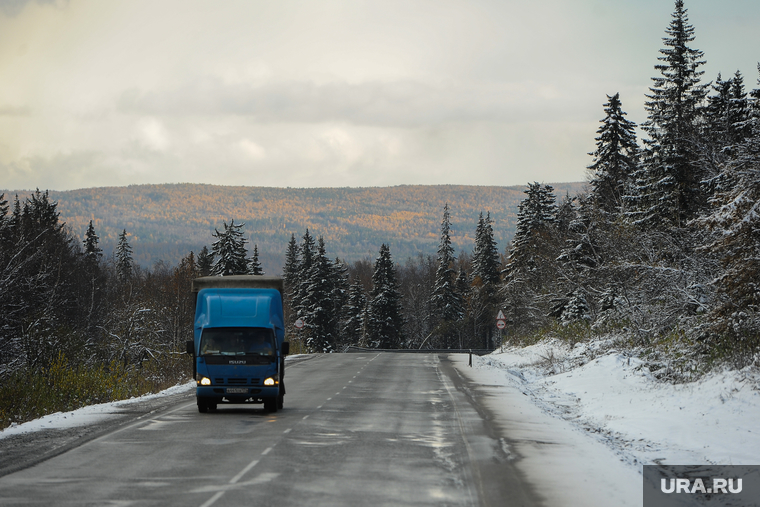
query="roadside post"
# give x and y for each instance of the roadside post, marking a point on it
(501, 323)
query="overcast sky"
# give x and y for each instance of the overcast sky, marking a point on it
(331, 93)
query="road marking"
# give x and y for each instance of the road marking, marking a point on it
(305, 417)
(244, 471)
(266, 451)
(211, 501)
(288, 430)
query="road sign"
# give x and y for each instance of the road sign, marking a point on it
(501, 316)
(501, 324)
(298, 323)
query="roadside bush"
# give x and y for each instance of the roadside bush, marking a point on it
(28, 394)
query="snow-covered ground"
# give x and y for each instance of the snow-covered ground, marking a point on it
(627, 418)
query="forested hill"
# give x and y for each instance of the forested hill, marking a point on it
(167, 221)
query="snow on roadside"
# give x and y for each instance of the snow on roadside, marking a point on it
(87, 415)
(615, 398)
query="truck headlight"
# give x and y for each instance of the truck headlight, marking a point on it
(205, 381)
(269, 382)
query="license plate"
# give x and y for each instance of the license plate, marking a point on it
(237, 390)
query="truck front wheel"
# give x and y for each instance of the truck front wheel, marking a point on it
(205, 405)
(270, 405)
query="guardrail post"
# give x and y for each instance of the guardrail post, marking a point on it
(470, 358)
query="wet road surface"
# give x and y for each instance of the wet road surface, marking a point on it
(357, 429)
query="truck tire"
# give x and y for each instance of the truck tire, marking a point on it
(205, 406)
(270, 405)
(280, 401)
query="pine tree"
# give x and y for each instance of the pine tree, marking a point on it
(124, 263)
(319, 315)
(254, 266)
(668, 191)
(577, 309)
(205, 262)
(339, 299)
(354, 328)
(485, 256)
(727, 115)
(92, 251)
(385, 324)
(290, 272)
(229, 250)
(615, 158)
(536, 214)
(308, 253)
(445, 298)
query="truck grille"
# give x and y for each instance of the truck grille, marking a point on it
(237, 381)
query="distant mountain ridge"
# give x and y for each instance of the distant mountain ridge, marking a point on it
(168, 221)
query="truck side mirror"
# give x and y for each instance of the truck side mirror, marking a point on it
(285, 348)
(190, 347)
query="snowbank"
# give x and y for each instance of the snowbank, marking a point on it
(584, 419)
(710, 421)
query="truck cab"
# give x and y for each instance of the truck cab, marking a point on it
(238, 345)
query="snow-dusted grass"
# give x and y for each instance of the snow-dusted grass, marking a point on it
(90, 414)
(27, 395)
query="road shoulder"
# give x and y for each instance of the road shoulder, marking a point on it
(566, 467)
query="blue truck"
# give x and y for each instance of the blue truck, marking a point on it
(239, 345)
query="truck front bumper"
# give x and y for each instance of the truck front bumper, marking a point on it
(236, 393)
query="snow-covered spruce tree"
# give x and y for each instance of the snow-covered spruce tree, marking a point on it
(726, 116)
(385, 325)
(319, 315)
(339, 298)
(92, 251)
(290, 271)
(736, 219)
(668, 188)
(485, 279)
(615, 158)
(124, 263)
(354, 329)
(530, 270)
(445, 297)
(205, 262)
(229, 250)
(290, 276)
(535, 218)
(254, 266)
(485, 256)
(308, 253)
(577, 309)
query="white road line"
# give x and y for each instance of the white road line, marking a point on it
(305, 417)
(266, 451)
(211, 501)
(288, 430)
(244, 471)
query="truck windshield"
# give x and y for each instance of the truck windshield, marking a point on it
(237, 341)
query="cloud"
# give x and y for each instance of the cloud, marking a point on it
(153, 134)
(62, 170)
(375, 103)
(13, 8)
(6, 110)
(252, 149)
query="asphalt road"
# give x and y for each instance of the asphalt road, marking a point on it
(357, 429)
